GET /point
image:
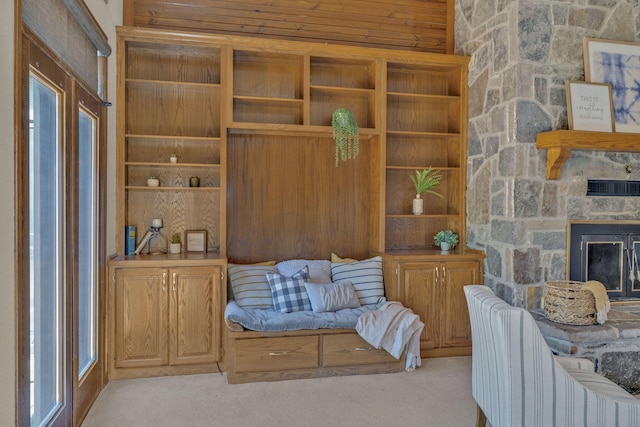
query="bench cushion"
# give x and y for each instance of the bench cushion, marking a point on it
(274, 321)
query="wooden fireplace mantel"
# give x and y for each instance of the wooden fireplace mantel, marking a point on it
(559, 144)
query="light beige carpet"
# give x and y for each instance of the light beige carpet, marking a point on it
(438, 394)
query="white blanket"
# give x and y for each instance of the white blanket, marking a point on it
(394, 328)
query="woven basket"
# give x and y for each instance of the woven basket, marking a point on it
(566, 302)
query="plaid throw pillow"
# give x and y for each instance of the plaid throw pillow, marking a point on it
(289, 293)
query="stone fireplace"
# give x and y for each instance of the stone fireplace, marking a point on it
(608, 252)
(522, 53)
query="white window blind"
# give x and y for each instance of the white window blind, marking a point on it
(71, 32)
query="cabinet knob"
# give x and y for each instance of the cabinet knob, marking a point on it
(164, 282)
(175, 281)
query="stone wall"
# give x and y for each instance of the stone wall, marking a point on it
(522, 52)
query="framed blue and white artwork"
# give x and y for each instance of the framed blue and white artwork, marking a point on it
(618, 64)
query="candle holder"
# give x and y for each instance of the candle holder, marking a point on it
(158, 243)
(154, 241)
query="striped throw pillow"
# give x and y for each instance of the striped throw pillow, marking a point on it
(249, 285)
(366, 277)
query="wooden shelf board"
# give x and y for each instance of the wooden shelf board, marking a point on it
(293, 130)
(173, 165)
(559, 144)
(342, 89)
(161, 260)
(147, 188)
(143, 82)
(422, 216)
(412, 168)
(171, 137)
(266, 101)
(425, 97)
(422, 134)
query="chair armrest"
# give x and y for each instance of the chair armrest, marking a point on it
(576, 363)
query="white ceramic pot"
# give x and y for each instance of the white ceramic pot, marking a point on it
(418, 205)
(444, 246)
(173, 159)
(153, 182)
(174, 248)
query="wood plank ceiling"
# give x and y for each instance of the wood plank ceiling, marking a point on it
(417, 25)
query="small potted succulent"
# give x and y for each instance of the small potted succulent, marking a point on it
(173, 158)
(424, 181)
(153, 181)
(446, 239)
(175, 245)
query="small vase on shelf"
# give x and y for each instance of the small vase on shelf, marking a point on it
(424, 181)
(173, 158)
(444, 247)
(418, 205)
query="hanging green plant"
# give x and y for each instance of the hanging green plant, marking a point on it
(346, 134)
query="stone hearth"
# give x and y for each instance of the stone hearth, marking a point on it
(614, 347)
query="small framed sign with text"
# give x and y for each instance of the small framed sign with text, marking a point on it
(589, 106)
(196, 240)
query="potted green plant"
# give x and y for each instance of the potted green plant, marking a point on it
(424, 181)
(153, 181)
(346, 133)
(173, 158)
(446, 239)
(174, 246)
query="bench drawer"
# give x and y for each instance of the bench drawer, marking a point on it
(351, 349)
(277, 353)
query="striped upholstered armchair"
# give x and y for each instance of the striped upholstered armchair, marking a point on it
(517, 381)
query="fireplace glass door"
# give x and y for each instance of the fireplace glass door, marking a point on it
(613, 260)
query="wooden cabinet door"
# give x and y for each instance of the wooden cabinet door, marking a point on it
(195, 308)
(419, 291)
(141, 317)
(454, 321)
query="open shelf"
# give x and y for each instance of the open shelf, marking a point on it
(172, 63)
(342, 73)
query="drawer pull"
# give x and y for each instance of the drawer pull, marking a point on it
(363, 349)
(278, 353)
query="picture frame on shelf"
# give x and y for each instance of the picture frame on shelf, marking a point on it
(195, 240)
(590, 106)
(618, 64)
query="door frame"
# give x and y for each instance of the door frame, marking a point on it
(31, 52)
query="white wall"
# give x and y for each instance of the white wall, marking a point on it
(109, 14)
(7, 215)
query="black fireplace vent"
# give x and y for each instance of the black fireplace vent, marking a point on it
(605, 187)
